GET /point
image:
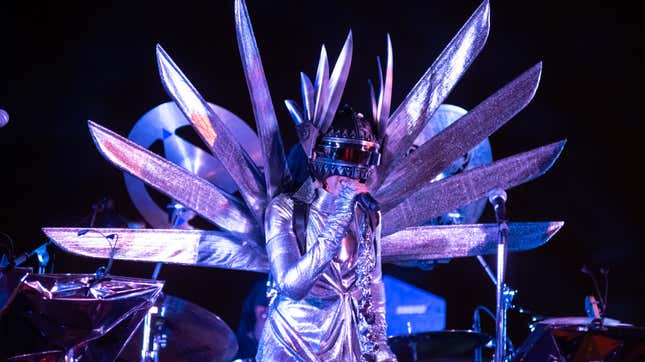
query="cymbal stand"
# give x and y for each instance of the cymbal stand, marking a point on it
(412, 343)
(41, 254)
(43, 257)
(177, 217)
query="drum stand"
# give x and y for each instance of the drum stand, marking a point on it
(177, 215)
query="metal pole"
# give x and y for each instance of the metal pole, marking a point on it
(489, 272)
(497, 198)
(500, 312)
(175, 212)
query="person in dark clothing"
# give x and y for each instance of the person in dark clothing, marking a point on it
(252, 318)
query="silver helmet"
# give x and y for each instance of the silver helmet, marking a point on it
(349, 148)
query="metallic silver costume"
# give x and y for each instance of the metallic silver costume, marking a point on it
(319, 313)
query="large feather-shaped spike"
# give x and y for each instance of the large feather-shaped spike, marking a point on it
(374, 104)
(385, 97)
(308, 95)
(197, 194)
(215, 135)
(213, 249)
(434, 156)
(409, 118)
(337, 82)
(453, 241)
(307, 135)
(294, 111)
(322, 78)
(275, 160)
(379, 66)
(436, 198)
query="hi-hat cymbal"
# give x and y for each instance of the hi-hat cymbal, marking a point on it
(192, 333)
(437, 344)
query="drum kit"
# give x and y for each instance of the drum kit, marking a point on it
(100, 317)
(177, 330)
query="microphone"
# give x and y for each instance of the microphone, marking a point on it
(4, 118)
(497, 198)
(367, 201)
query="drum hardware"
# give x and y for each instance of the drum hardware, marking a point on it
(590, 338)
(154, 336)
(478, 355)
(40, 252)
(42, 256)
(441, 344)
(182, 331)
(153, 339)
(596, 307)
(580, 339)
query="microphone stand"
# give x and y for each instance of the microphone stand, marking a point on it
(503, 293)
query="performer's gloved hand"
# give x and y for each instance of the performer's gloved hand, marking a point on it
(344, 209)
(295, 274)
(359, 191)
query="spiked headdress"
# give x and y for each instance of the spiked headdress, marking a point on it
(403, 183)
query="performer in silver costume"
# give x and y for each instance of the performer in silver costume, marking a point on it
(330, 302)
(323, 242)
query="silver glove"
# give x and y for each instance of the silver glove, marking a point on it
(293, 273)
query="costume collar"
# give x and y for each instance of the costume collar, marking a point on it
(325, 201)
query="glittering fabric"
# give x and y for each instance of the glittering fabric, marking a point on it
(316, 314)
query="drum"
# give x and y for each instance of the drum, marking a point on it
(449, 345)
(579, 339)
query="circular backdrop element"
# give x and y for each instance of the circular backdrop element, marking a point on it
(161, 124)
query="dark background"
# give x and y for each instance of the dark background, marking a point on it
(66, 62)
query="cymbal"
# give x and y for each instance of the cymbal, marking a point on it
(437, 344)
(579, 321)
(192, 333)
(479, 155)
(161, 124)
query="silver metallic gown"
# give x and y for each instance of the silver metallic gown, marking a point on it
(318, 313)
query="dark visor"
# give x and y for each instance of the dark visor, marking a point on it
(349, 153)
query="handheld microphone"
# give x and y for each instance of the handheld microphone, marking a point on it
(497, 198)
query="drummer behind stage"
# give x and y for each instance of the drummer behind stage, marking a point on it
(323, 243)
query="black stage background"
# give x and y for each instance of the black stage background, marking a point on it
(64, 63)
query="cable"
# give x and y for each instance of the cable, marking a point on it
(102, 272)
(11, 244)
